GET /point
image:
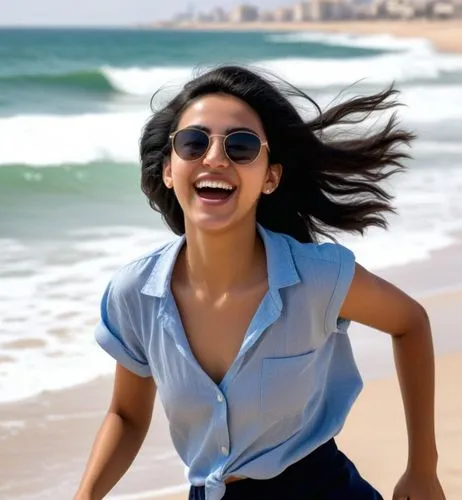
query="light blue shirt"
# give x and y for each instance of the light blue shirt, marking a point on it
(290, 387)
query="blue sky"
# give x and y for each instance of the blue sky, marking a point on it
(104, 12)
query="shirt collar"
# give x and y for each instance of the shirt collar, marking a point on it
(280, 262)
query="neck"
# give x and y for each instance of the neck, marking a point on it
(215, 264)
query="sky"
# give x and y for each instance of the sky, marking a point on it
(105, 12)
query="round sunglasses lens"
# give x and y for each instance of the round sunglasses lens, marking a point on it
(190, 144)
(243, 147)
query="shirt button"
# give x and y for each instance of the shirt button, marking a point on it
(220, 397)
(225, 450)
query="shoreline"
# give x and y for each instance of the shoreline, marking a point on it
(49, 436)
(446, 36)
(424, 287)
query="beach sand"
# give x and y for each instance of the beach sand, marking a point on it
(446, 36)
(45, 441)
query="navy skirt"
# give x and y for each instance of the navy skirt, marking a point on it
(325, 474)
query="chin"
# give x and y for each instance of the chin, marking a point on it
(215, 224)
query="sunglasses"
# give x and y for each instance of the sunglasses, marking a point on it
(192, 144)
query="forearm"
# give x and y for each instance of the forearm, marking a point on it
(416, 372)
(116, 446)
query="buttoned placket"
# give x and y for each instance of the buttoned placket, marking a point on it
(268, 312)
(222, 427)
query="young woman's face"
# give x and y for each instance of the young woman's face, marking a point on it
(214, 191)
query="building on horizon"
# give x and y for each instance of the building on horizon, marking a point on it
(301, 12)
(330, 10)
(219, 15)
(267, 16)
(443, 10)
(283, 14)
(244, 14)
(327, 10)
(419, 9)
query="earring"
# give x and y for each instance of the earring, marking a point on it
(268, 191)
(168, 184)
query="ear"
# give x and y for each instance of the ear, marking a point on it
(273, 177)
(167, 174)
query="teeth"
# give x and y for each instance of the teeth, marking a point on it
(214, 185)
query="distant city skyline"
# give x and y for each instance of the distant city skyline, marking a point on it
(105, 12)
(301, 11)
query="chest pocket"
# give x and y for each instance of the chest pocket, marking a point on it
(287, 384)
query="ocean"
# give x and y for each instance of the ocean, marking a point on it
(72, 107)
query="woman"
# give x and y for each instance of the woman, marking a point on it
(240, 324)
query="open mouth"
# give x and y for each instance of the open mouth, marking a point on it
(214, 190)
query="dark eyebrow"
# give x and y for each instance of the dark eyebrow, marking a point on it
(240, 129)
(227, 131)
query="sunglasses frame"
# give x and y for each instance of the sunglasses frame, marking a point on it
(263, 144)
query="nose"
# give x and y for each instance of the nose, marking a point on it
(216, 156)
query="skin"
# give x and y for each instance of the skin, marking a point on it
(225, 234)
(374, 302)
(220, 278)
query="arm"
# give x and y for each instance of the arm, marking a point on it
(375, 302)
(120, 436)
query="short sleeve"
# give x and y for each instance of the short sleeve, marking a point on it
(342, 270)
(116, 333)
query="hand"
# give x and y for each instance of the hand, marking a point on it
(414, 486)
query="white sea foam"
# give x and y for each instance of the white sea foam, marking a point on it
(403, 67)
(432, 104)
(50, 140)
(46, 140)
(48, 310)
(403, 60)
(81, 139)
(53, 309)
(383, 41)
(49, 314)
(145, 81)
(429, 205)
(440, 147)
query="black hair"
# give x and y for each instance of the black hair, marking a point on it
(328, 183)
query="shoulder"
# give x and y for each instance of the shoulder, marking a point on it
(319, 255)
(131, 277)
(326, 272)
